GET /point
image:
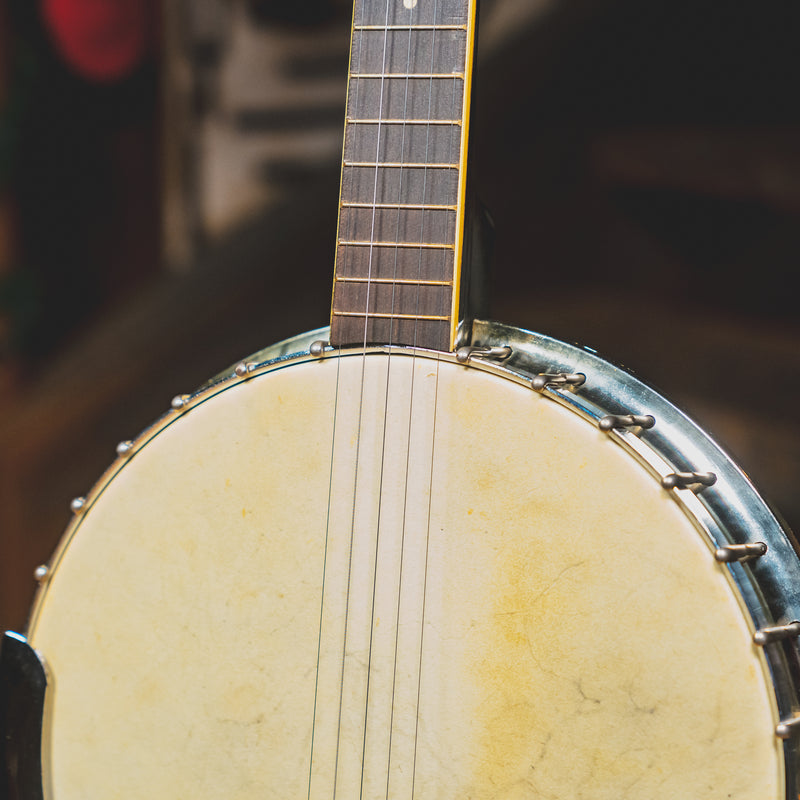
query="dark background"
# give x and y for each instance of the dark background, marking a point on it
(640, 161)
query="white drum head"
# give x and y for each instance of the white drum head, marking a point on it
(396, 577)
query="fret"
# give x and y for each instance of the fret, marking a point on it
(378, 121)
(441, 13)
(388, 264)
(431, 334)
(409, 51)
(400, 245)
(398, 144)
(409, 185)
(411, 75)
(383, 28)
(395, 98)
(370, 223)
(373, 314)
(401, 300)
(400, 165)
(395, 281)
(434, 335)
(402, 206)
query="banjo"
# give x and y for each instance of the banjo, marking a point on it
(414, 555)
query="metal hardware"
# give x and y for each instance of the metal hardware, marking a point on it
(424, 122)
(41, 573)
(77, 505)
(179, 401)
(404, 207)
(241, 369)
(317, 348)
(23, 683)
(740, 552)
(415, 75)
(611, 421)
(124, 448)
(776, 634)
(409, 245)
(400, 165)
(787, 728)
(696, 481)
(429, 317)
(392, 281)
(464, 354)
(558, 380)
(409, 27)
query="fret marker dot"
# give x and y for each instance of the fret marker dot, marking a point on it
(410, 3)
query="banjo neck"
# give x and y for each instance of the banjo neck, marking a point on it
(400, 236)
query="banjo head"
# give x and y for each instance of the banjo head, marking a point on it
(386, 573)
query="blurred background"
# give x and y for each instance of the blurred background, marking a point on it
(168, 201)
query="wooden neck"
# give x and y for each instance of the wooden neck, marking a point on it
(401, 209)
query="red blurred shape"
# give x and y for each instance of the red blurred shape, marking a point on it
(102, 40)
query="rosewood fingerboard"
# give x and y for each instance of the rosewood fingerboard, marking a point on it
(401, 211)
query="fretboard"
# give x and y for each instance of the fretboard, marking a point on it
(401, 214)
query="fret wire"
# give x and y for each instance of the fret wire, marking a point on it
(400, 75)
(376, 121)
(370, 315)
(409, 27)
(399, 164)
(402, 206)
(404, 281)
(423, 245)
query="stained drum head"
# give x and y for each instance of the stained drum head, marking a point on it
(386, 573)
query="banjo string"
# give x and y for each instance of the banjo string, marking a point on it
(345, 256)
(435, 406)
(385, 401)
(361, 399)
(385, 419)
(355, 478)
(324, 574)
(383, 93)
